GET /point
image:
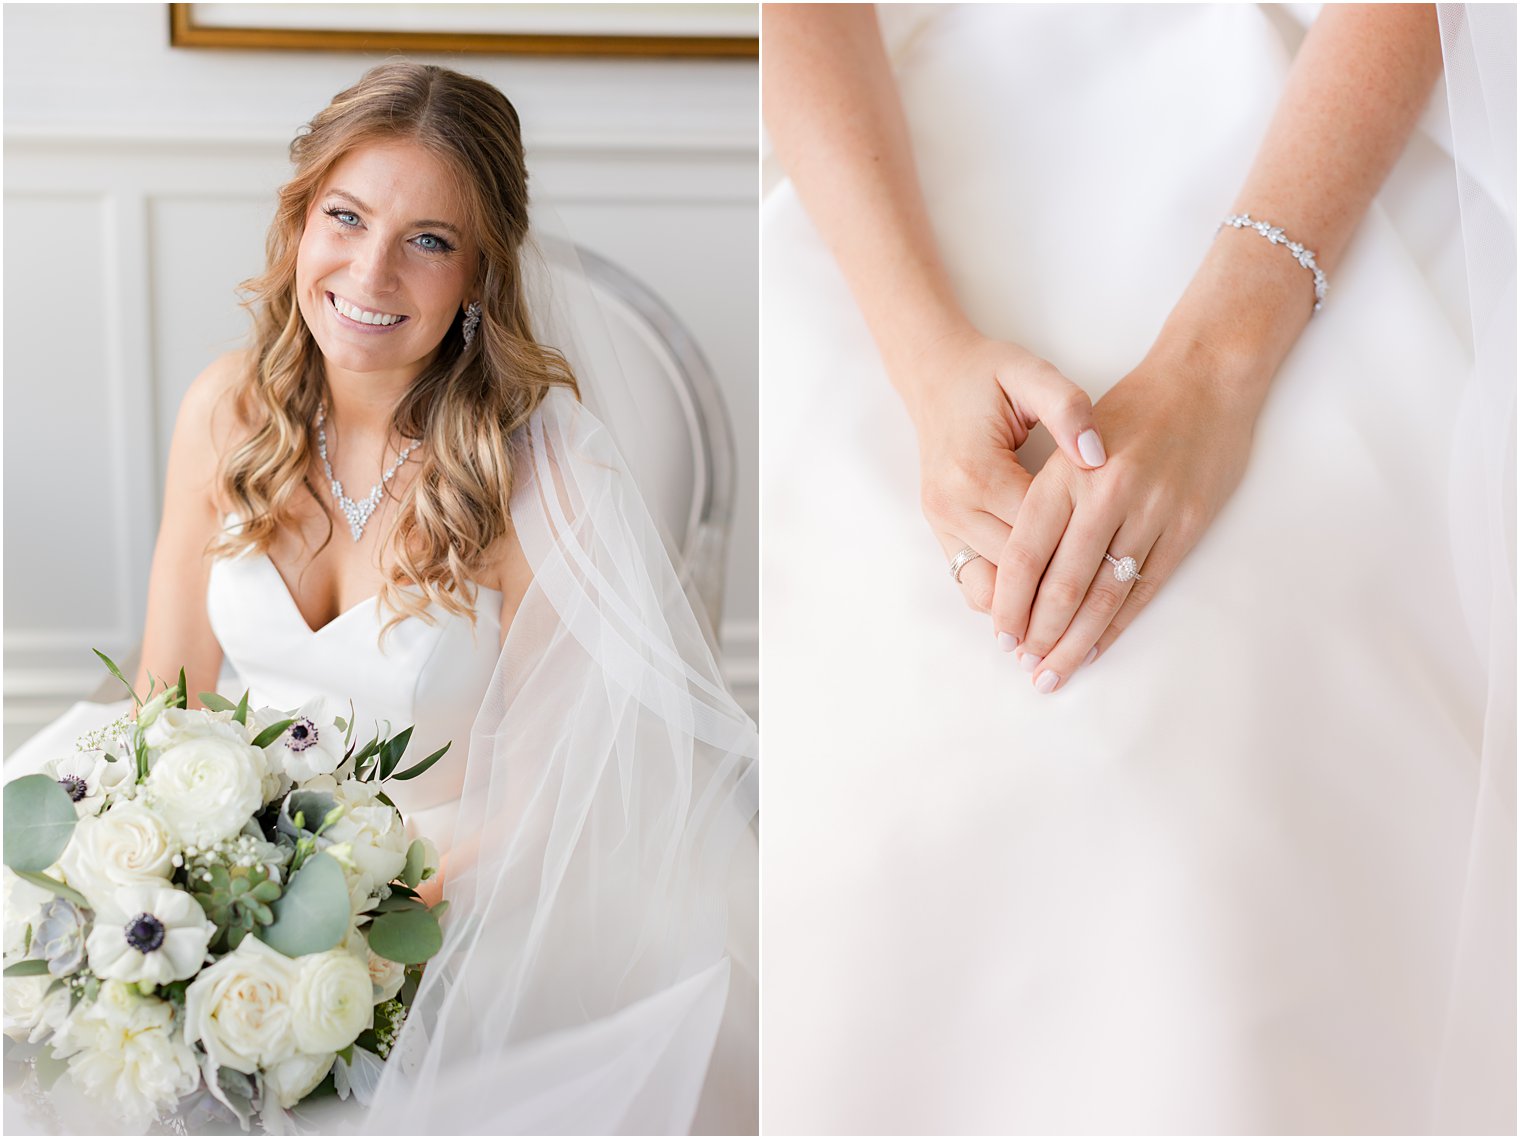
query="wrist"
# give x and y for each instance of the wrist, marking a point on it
(1242, 311)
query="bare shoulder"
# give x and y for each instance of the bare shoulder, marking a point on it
(513, 575)
(207, 424)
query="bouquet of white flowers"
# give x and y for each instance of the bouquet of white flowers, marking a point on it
(219, 898)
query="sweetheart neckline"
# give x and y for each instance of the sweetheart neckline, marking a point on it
(295, 609)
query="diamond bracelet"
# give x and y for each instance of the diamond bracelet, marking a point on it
(1275, 235)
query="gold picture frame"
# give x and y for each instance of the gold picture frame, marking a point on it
(185, 31)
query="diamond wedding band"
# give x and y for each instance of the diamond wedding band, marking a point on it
(961, 560)
(1125, 568)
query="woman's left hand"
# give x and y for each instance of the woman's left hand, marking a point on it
(1178, 435)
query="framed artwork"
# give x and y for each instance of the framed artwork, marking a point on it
(695, 30)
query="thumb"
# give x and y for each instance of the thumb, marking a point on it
(1045, 395)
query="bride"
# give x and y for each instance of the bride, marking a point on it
(1226, 842)
(393, 497)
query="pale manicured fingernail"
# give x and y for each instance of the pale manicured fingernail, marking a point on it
(1090, 447)
(1007, 642)
(1047, 682)
(1029, 662)
(1092, 655)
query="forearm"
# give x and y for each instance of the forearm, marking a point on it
(833, 112)
(1355, 91)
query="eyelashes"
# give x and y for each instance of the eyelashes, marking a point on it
(346, 218)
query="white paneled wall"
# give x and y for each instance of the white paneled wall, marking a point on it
(139, 181)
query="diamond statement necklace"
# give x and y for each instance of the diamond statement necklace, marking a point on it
(357, 513)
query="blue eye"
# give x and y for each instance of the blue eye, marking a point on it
(434, 244)
(342, 216)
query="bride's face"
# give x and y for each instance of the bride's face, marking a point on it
(384, 263)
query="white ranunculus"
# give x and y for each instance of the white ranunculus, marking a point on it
(207, 787)
(31, 1012)
(291, 1079)
(311, 746)
(125, 1054)
(176, 725)
(129, 845)
(333, 1001)
(23, 909)
(240, 1008)
(151, 934)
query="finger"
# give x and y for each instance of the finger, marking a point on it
(1042, 520)
(1043, 394)
(1075, 570)
(976, 576)
(1165, 556)
(1078, 645)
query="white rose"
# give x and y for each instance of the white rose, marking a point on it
(386, 976)
(124, 1054)
(373, 831)
(23, 909)
(294, 1078)
(128, 845)
(31, 1012)
(207, 787)
(362, 889)
(240, 1008)
(333, 1001)
(311, 746)
(149, 934)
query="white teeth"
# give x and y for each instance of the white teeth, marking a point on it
(363, 316)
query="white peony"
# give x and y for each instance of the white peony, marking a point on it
(311, 746)
(149, 934)
(129, 845)
(291, 1079)
(23, 909)
(207, 787)
(124, 1054)
(31, 1012)
(333, 1001)
(240, 1008)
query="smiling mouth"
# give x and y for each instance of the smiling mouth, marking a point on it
(369, 318)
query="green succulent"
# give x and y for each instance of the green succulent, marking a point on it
(237, 899)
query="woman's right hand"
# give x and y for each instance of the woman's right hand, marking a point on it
(973, 401)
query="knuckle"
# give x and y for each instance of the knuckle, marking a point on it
(1019, 562)
(1107, 594)
(978, 595)
(1062, 594)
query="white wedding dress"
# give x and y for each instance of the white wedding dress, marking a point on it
(598, 967)
(1254, 870)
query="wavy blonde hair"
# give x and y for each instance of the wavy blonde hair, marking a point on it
(464, 406)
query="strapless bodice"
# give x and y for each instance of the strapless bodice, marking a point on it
(431, 675)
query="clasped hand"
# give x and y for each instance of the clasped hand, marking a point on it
(1178, 435)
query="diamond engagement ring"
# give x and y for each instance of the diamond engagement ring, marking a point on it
(961, 560)
(1125, 569)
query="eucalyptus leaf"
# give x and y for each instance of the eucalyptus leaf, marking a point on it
(394, 749)
(439, 910)
(240, 713)
(407, 936)
(271, 733)
(416, 855)
(312, 915)
(398, 902)
(31, 967)
(216, 703)
(39, 818)
(54, 885)
(404, 891)
(413, 772)
(116, 672)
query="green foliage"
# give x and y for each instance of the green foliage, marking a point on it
(240, 714)
(31, 967)
(271, 733)
(54, 885)
(392, 750)
(116, 672)
(216, 703)
(416, 855)
(406, 936)
(413, 772)
(312, 914)
(39, 818)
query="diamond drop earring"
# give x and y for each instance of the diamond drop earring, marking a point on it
(471, 322)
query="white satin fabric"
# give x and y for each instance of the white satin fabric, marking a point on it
(1239, 875)
(431, 676)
